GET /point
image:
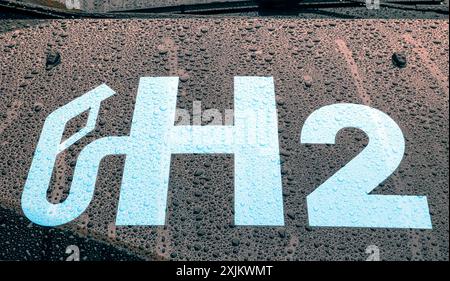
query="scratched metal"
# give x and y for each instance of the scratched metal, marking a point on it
(313, 62)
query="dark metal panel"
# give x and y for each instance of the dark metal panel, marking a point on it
(313, 62)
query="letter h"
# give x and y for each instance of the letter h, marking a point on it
(153, 139)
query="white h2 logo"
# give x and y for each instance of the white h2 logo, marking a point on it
(342, 200)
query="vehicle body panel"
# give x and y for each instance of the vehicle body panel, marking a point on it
(313, 62)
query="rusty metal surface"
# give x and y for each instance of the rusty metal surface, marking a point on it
(313, 62)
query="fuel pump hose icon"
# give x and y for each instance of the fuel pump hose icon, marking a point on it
(153, 138)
